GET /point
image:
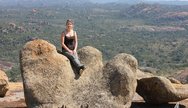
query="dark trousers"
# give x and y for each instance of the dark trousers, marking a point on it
(73, 59)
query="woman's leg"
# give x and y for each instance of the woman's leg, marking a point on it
(74, 59)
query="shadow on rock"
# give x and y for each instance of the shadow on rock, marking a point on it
(145, 105)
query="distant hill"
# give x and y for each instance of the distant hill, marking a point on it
(157, 13)
(157, 35)
(168, 2)
(77, 2)
(30, 3)
(145, 10)
(117, 1)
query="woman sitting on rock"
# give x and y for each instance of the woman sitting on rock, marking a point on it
(69, 42)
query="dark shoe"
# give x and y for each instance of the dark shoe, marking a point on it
(82, 67)
(81, 71)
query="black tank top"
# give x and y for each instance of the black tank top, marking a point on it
(69, 42)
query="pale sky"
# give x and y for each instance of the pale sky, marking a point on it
(166, 0)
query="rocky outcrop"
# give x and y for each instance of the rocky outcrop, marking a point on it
(14, 97)
(46, 75)
(120, 78)
(140, 74)
(50, 81)
(182, 76)
(3, 84)
(149, 70)
(173, 80)
(159, 90)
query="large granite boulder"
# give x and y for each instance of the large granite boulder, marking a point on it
(3, 84)
(50, 81)
(46, 75)
(158, 90)
(120, 79)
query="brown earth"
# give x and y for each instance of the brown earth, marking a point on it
(15, 99)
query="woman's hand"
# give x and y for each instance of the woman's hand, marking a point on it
(74, 51)
(71, 51)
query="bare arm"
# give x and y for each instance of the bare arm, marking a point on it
(75, 42)
(62, 43)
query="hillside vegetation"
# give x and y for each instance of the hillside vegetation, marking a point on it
(157, 35)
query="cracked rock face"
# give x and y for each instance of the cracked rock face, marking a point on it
(50, 81)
